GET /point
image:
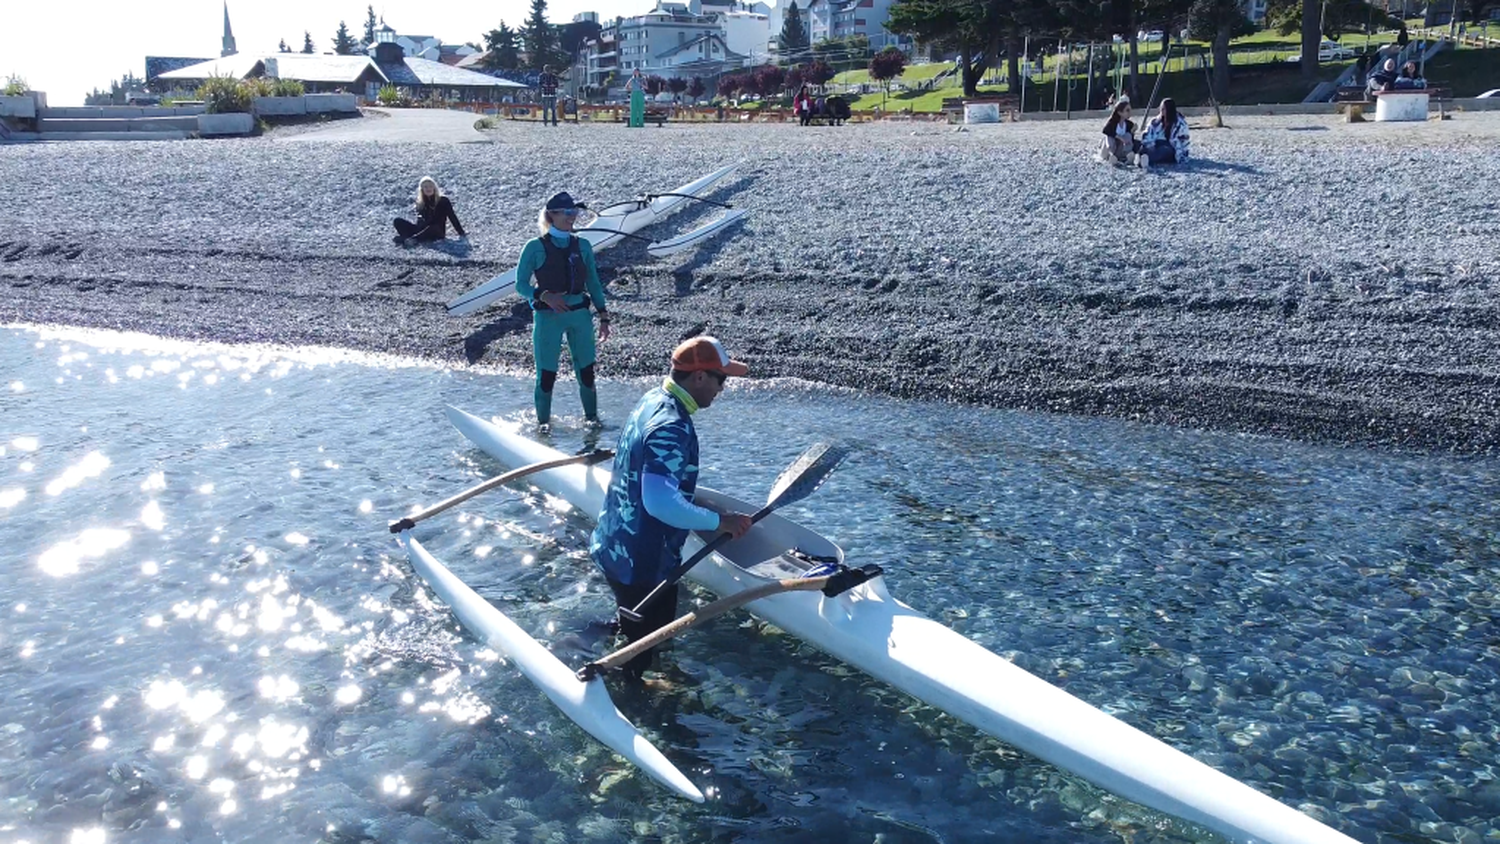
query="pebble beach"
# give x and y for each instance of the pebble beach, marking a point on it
(1302, 277)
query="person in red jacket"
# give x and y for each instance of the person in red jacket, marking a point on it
(802, 105)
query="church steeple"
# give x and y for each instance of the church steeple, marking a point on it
(229, 49)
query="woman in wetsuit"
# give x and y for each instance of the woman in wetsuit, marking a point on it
(434, 212)
(556, 274)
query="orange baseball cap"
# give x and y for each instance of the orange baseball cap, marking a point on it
(706, 353)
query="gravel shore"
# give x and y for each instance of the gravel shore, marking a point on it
(1302, 278)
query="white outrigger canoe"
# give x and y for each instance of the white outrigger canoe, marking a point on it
(889, 640)
(614, 224)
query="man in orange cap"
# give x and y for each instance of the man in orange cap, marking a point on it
(648, 509)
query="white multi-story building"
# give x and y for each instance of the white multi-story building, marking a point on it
(669, 25)
(747, 33)
(817, 16)
(700, 38)
(868, 18)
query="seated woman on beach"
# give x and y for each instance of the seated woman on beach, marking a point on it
(1166, 140)
(1410, 78)
(434, 210)
(1382, 79)
(1119, 143)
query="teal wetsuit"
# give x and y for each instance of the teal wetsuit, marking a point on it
(573, 273)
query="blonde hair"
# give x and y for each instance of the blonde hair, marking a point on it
(437, 193)
(543, 222)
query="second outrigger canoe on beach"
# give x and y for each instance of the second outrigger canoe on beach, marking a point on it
(869, 629)
(616, 223)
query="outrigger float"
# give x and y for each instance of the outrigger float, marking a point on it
(796, 579)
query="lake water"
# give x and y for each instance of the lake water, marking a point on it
(207, 633)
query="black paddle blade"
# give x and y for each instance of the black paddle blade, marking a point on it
(806, 474)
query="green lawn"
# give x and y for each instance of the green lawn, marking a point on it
(1271, 79)
(1274, 84)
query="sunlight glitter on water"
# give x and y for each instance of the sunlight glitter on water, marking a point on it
(92, 465)
(66, 558)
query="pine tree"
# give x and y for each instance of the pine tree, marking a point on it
(539, 37)
(370, 25)
(307, 45)
(793, 38)
(343, 43)
(503, 54)
(282, 47)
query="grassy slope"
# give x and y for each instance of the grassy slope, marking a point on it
(1188, 87)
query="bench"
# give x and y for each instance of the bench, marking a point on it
(953, 107)
(1358, 94)
(654, 114)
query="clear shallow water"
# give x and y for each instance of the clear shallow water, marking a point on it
(207, 632)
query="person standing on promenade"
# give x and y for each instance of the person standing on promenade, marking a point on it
(434, 211)
(648, 508)
(547, 84)
(636, 85)
(566, 283)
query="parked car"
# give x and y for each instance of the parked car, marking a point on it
(1150, 37)
(1493, 93)
(1329, 51)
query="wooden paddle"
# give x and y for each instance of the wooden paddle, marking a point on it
(795, 483)
(831, 585)
(588, 459)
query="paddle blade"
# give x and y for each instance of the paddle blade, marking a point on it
(806, 474)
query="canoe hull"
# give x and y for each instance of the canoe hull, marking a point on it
(887, 639)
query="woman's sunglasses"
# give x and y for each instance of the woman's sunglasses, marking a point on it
(567, 212)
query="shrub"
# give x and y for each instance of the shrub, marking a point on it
(287, 88)
(258, 87)
(15, 86)
(389, 96)
(224, 95)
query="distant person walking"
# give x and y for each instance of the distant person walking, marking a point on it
(636, 85)
(547, 84)
(434, 211)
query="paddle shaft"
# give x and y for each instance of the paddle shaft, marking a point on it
(634, 613)
(592, 457)
(831, 585)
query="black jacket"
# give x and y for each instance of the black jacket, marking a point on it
(434, 220)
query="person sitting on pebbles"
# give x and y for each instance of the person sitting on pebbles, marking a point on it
(1166, 140)
(1119, 143)
(434, 211)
